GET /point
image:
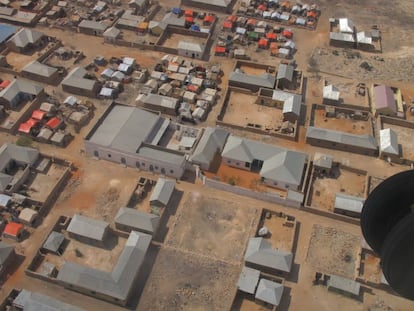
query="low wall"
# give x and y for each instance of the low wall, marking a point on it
(268, 197)
(396, 121)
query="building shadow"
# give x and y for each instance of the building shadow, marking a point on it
(294, 273)
(169, 211)
(286, 299)
(143, 276)
(12, 268)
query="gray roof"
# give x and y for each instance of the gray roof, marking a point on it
(6, 251)
(137, 220)
(191, 46)
(163, 191)
(163, 156)
(260, 252)
(88, 227)
(20, 86)
(54, 241)
(92, 25)
(5, 180)
(118, 283)
(278, 163)
(265, 80)
(346, 25)
(220, 3)
(286, 166)
(112, 32)
(338, 36)
(76, 79)
(389, 142)
(285, 72)
(348, 203)
(31, 301)
(291, 102)
(39, 69)
(248, 280)
(269, 291)
(362, 141)
(173, 20)
(25, 36)
(125, 128)
(160, 100)
(4, 199)
(343, 284)
(22, 155)
(211, 142)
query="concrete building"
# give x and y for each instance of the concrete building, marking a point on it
(26, 40)
(130, 136)
(40, 72)
(191, 49)
(115, 286)
(163, 104)
(323, 162)
(76, 83)
(211, 5)
(129, 219)
(18, 92)
(291, 103)
(28, 216)
(111, 35)
(284, 76)
(269, 292)
(88, 230)
(139, 5)
(383, 101)
(31, 301)
(348, 205)
(362, 144)
(242, 80)
(278, 167)
(6, 31)
(331, 95)
(344, 286)
(342, 40)
(389, 147)
(162, 192)
(259, 254)
(13, 159)
(92, 27)
(209, 147)
(54, 243)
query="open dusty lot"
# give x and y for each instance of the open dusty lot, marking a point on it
(17, 61)
(371, 269)
(323, 190)
(282, 236)
(333, 251)
(181, 281)
(242, 110)
(347, 89)
(344, 124)
(205, 224)
(172, 40)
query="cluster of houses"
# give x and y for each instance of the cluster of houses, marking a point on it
(344, 34)
(262, 33)
(303, 15)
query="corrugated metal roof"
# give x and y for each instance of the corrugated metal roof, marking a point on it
(118, 283)
(331, 92)
(285, 72)
(248, 280)
(211, 142)
(343, 284)
(25, 36)
(163, 191)
(265, 80)
(346, 25)
(338, 36)
(20, 86)
(88, 227)
(20, 154)
(191, 46)
(260, 252)
(161, 101)
(349, 203)
(384, 98)
(364, 141)
(6, 251)
(389, 142)
(137, 220)
(31, 301)
(269, 291)
(54, 241)
(88, 24)
(76, 79)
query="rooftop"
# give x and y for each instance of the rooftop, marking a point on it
(137, 220)
(88, 227)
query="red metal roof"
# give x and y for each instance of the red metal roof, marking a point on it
(4, 84)
(189, 19)
(262, 7)
(251, 22)
(271, 35)
(27, 126)
(220, 49)
(188, 13)
(193, 88)
(13, 228)
(263, 42)
(209, 18)
(38, 114)
(287, 33)
(232, 18)
(53, 123)
(227, 25)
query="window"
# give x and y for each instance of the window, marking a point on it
(237, 163)
(109, 155)
(171, 172)
(247, 164)
(151, 168)
(275, 184)
(228, 161)
(156, 168)
(143, 164)
(163, 171)
(123, 161)
(93, 292)
(137, 164)
(96, 153)
(287, 186)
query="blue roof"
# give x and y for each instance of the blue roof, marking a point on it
(176, 11)
(195, 27)
(6, 31)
